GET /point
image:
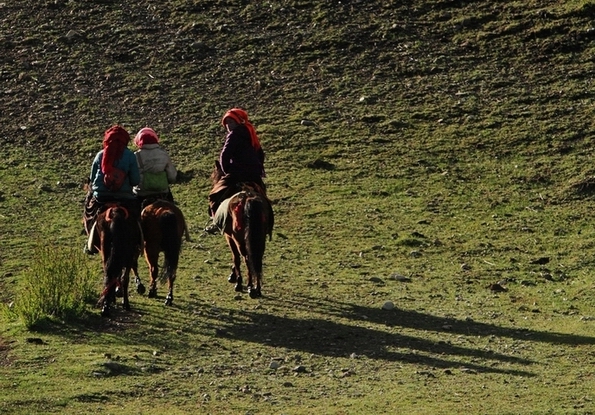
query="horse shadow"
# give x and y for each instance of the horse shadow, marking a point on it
(386, 335)
(412, 319)
(325, 337)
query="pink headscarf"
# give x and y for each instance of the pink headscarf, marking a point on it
(241, 117)
(146, 136)
(115, 141)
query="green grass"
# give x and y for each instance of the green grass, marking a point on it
(448, 149)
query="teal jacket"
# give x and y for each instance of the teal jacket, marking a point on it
(127, 163)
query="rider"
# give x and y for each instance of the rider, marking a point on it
(241, 159)
(114, 159)
(157, 171)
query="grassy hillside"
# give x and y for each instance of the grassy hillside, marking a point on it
(420, 152)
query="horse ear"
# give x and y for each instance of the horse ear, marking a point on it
(218, 165)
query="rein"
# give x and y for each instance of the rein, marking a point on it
(115, 281)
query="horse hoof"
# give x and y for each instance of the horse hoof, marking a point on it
(105, 312)
(119, 292)
(254, 293)
(126, 306)
(169, 301)
(153, 293)
(140, 288)
(232, 278)
(238, 288)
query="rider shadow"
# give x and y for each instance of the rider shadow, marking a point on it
(333, 339)
(422, 321)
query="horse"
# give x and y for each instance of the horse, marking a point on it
(249, 218)
(163, 226)
(117, 237)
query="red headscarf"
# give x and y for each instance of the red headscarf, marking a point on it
(146, 136)
(241, 117)
(115, 141)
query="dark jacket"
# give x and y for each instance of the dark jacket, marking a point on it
(238, 157)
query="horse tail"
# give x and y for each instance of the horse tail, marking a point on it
(171, 242)
(255, 232)
(122, 245)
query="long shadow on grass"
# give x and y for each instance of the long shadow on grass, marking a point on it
(330, 338)
(422, 321)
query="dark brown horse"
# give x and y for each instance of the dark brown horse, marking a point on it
(118, 240)
(163, 226)
(248, 221)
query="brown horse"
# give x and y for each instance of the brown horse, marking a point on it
(118, 240)
(163, 226)
(248, 220)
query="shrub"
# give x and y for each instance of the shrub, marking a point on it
(58, 285)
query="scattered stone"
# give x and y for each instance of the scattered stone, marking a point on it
(299, 369)
(465, 267)
(399, 277)
(35, 340)
(388, 305)
(274, 365)
(540, 261)
(308, 123)
(498, 288)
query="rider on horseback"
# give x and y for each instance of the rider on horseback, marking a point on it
(113, 174)
(241, 159)
(157, 171)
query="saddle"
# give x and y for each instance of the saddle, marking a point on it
(94, 208)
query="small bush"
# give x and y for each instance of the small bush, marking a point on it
(58, 285)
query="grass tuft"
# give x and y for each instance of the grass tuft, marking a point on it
(58, 285)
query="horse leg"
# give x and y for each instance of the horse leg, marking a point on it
(119, 293)
(152, 261)
(236, 275)
(255, 292)
(249, 283)
(105, 309)
(106, 298)
(125, 278)
(170, 295)
(140, 288)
